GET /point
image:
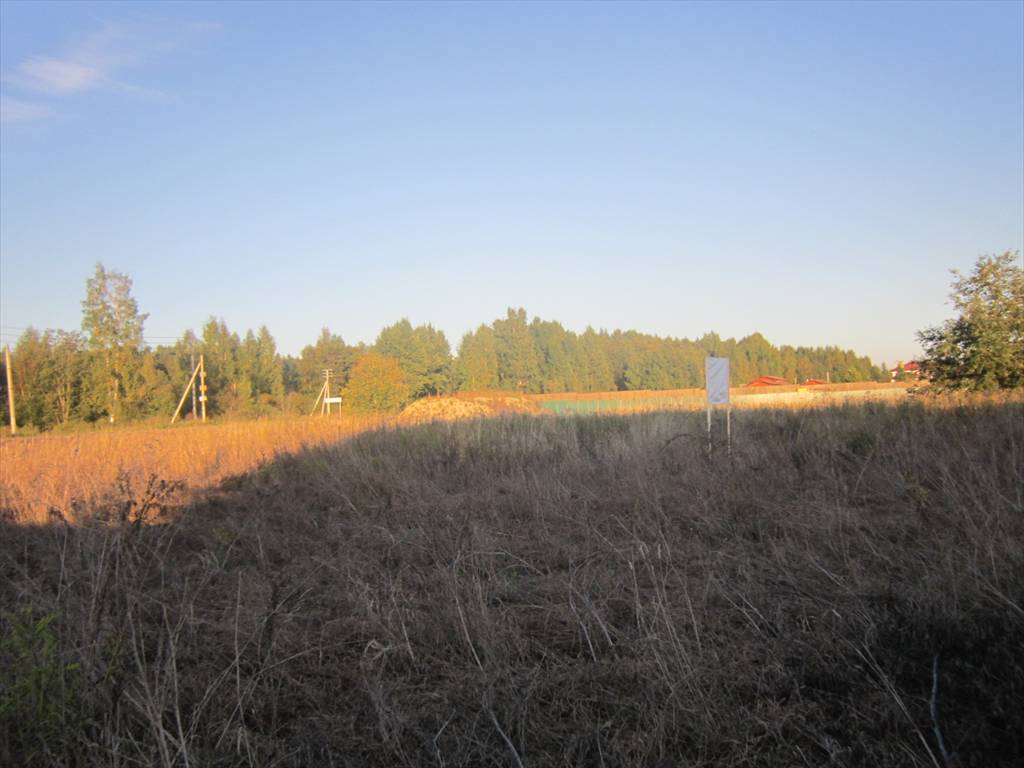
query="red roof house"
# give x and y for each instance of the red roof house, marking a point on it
(768, 381)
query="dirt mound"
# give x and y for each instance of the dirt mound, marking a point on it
(444, 409)
(466, 406)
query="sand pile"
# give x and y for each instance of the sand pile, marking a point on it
(466, 406)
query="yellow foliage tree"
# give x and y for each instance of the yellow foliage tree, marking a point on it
(376, 385)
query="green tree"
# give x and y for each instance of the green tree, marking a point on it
(755, 356)
(246, 377)
(423, 354)
(666, 364)
(111, 318)
(220, 348)
(648, 370)
(48, 374)
(518, 364)
(594, 372)
(477, 365)
(982, 348)
(154, 392)
(269, 372)
(260, 383)
(31, 379)
(66, 369)
(377, 384)
(554, 346)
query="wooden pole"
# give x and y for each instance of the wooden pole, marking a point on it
(10, 389)
(202, 385)
(728, 429)
(184, 395)
(709, 429)
(192, 364)
(318, 396)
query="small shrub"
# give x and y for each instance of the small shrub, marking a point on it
(41, 712)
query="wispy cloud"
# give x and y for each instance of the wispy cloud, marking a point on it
(18, 111)
(48, 75)
(97, 61)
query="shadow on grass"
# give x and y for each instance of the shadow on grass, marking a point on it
(846, 588)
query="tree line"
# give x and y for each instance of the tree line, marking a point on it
(107, 372)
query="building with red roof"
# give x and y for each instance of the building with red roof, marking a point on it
(768, 381)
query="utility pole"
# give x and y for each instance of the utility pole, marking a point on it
(192, 365)
(317, 401)
(202, 385)
(324, 408)
(323, 394)
(184, 395)
(10, 389)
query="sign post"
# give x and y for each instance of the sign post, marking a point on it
(716, 379)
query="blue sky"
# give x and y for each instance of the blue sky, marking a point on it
(809, 171)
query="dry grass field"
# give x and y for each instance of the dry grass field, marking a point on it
(846, 588)
(66, 475)
(70, 475)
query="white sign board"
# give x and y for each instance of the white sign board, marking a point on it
(716, 376)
